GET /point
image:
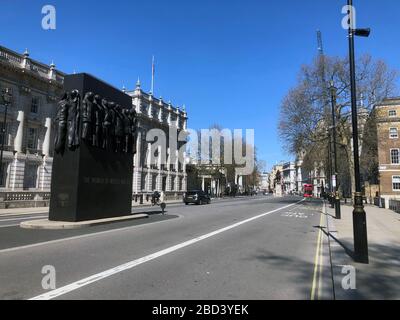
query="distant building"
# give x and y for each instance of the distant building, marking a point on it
(289, 177)
(154, 175)
(264, 182)
(388, 126)
(209, 178)
(316, 177)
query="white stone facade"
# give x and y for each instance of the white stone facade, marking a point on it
(34, 88)
(28, 147)
(150, 172)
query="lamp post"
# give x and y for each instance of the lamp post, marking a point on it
(335, 182)
(329, 167)
(359, 215)
(6, 101)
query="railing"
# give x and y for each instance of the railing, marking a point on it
(394, 205)
(41, 69)
(380, 202)
(24, 196)
(146, 197)
(10, 57)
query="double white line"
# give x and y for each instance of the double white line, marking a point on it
(107, 273)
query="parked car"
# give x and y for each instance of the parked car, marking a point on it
(197, 197)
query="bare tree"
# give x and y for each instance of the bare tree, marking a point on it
(305, 116)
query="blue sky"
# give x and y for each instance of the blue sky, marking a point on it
(230, 61)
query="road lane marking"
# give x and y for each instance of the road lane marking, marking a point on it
(317, 263)
(107, 273)
(34, 245)
(39, 244)
(321, 262)
(9, 225)
(26, 218)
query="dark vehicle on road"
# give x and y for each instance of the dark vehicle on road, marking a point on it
(197, 197)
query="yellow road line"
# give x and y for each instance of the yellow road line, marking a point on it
(321, 260)
(317, 263)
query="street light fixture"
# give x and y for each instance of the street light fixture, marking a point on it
(335, 182)
(359, 215)
(6, 97)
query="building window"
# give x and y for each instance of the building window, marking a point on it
(30, 176)
(394, 155)
(3, 174)
(392, 113)
(5, 133)
(393, 133)
(35, 105)
(32, 142)
(396, 183)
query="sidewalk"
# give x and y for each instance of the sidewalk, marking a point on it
(380, 279)
(27, 211)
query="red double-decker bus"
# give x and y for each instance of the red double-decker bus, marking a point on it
(308, 190)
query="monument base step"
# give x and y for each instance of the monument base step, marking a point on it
(62, 225)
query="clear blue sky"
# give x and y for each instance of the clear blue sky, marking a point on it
(230, 61)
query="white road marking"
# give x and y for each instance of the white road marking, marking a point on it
(107, 273)
(25, 218)
(9, 225)
(30, 246)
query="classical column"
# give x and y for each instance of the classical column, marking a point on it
(159, 182)
(184, 184)
(46, 166)
(169, 118)
(46, 142)
(160, 111)
(203, 185)
(177, 161)
(20, 132)
(149, 156)
(137, 170)
(150, 109)
(17, 167)
(149, 181)
(168, 186)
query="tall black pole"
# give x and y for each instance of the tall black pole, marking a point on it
(359, 215)
(3, 133)
(329, 173)
(335, 174)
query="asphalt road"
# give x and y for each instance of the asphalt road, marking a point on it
(244, 248)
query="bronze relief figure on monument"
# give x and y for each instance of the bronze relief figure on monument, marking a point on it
(94, 146)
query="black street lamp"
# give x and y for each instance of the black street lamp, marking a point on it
(359, 215)
(6, 97)
(329, 168)
(335, 182)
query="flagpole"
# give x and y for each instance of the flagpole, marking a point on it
(152, 76)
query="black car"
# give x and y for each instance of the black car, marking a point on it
(197, 197)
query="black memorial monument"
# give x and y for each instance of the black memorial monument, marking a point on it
(93, 152)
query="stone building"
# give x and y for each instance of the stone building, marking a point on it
(35, 88)
(150, 171)
(388, 126)
(289, 177)
(28, 147)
